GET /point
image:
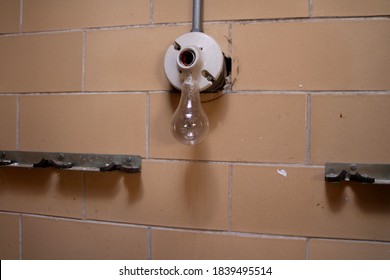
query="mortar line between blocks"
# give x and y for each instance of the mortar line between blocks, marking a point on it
(147, 125)
(308, 129)
(231, 233)
(230, 197)
(18, 123)
(84, 197)
(149, 243)
(21, 15)
(201, 231)
(20, 238)
(87, 221)
(366, 241)
(307, 251)
(237, 92)
(151, 11)
(67, 93)
(187, 23)
(310, 8)
(83, 62)
(237, 163)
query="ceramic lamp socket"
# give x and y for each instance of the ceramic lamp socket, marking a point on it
(198, 54)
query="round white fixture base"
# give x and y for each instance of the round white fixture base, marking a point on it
(199, 54)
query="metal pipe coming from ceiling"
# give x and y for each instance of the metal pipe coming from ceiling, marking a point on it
(197, 16)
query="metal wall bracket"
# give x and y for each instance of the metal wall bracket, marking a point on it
(363, 173)
(71, 161)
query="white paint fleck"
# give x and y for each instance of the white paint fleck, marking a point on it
(282, 172)
(301, 86)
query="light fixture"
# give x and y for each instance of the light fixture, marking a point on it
(194, 63)
(189, 123)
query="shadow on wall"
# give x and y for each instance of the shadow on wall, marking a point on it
(368, 197)
(37, 182)
(198, 198)
(108, 185)
(195, 193)
(41, 191)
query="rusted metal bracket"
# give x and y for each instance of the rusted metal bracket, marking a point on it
(363, 173)
(71, 161)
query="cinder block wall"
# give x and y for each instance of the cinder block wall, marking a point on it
(311, 84)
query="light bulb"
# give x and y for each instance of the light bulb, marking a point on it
(189, 123)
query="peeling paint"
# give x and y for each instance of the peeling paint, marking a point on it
(282, 172)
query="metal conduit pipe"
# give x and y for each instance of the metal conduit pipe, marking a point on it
(197, 16)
